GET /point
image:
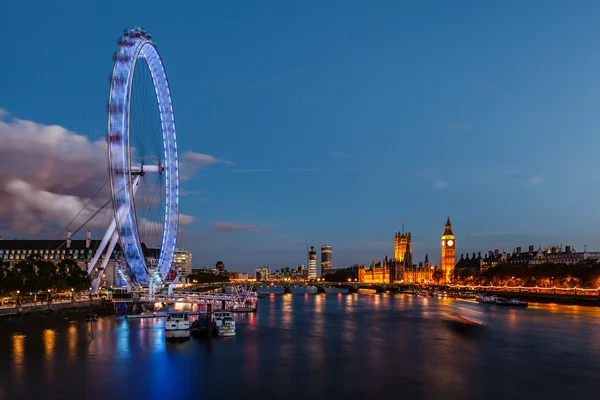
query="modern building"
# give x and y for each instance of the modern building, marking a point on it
(448, 247)
(312, 263)
(182, 260)
(262, 274)
(326, 259)
(220, 266)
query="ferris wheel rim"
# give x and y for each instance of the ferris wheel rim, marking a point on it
(136, 44)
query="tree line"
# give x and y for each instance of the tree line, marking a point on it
(33, 275)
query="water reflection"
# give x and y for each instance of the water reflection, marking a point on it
(313, 346)
(287, 312)
(18, 356)
(72, 341)
(49, 338)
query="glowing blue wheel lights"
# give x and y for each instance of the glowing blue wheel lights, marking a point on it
(127, 173)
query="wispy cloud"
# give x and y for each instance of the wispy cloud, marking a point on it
(191, 162)
(186, 219)
(533, 179)
(3, 113)
(190, 192)
(243, 171)
(440, 185)
(339, 154)
(221, 226)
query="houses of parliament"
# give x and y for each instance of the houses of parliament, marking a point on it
(401, 269)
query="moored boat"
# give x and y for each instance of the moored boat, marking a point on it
(223, 323)
(177, 326)
(485, 299)
(511, 303)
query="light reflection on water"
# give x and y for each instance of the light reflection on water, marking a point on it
(313, 346)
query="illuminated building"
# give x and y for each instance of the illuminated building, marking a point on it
(312, 263)
(377, 273)
(262, 274)
(423, 273)
(448, 247)
(326, 259)
(79, 250)
(182, 260)
(403, 248)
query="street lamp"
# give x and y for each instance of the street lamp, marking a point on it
(18, 292)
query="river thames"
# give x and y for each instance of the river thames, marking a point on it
(303, 346)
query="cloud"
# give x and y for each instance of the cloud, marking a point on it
(3, 113)
(186, 219)
(241, 171)
(339, 154)
(221, 226)
(48, 179)
(440, 185)
(190, 192)
(531, 179)
(191, 162)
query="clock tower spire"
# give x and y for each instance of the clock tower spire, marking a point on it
(448, 252)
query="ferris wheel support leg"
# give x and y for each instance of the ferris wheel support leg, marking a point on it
(111, 247)
(109, 232)
(170, 288)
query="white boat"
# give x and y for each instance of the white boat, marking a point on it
(485, 299)
(177, 326)
(223, 323)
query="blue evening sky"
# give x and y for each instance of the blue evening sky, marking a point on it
(362, 113)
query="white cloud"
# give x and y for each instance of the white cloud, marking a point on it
(440, 185)
(191, 162)
(48, 174)
(231, 227)
(186, 219)
(3, 113)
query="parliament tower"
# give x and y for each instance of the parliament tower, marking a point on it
(448, 252)
(403, 248)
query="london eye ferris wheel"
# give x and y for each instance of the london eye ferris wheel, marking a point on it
(142, 159)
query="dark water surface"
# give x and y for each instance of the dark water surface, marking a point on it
(311, 347)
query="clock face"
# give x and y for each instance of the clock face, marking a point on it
(450, 242)
(443, 243)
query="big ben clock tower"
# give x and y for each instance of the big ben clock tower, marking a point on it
(448, 253)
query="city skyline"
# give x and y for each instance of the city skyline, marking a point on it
(289, 136)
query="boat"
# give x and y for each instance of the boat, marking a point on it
(511, 303)
(91, 317)
(485, 299)
(177, 326)
(463, 320)
(223, 323)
